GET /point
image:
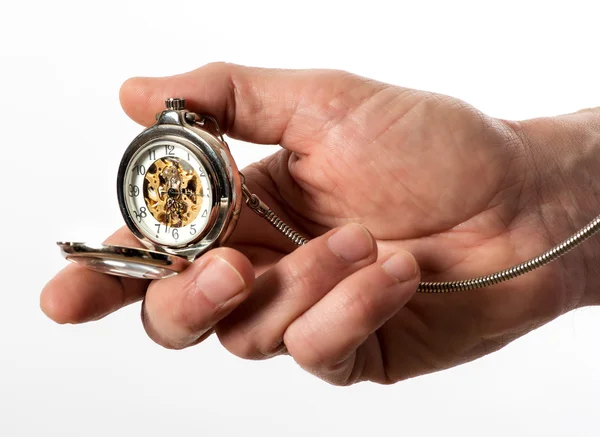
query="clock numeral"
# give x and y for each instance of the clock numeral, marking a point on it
(133, 190)
(142, 214)
(169, 149)
(205, 213)
(189, 157)
(193, 230)
(175, 233)
(157, 229)
(202, 174)
(152, 155)
(139, 169)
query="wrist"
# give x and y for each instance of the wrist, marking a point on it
(564, 158)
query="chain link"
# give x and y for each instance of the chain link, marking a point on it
(256, 205)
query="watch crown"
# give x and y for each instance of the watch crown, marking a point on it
(175, 104)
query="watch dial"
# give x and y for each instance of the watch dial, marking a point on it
(168, 194)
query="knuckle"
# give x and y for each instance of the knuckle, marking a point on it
(248, 345)
(269, 350)
(301, 276)
(359, 305)
(216, 65)
(235, 344)
(223, 67)
(312, 268)
(300, 346)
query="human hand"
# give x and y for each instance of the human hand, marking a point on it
(425, 174)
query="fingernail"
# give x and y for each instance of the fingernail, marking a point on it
(401, 266)
(352, 243)
(219, 281)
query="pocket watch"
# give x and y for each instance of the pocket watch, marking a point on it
(180, 193)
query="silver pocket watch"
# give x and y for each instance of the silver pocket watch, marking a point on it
(181, 193)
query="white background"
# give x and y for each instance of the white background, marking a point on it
(61, 66)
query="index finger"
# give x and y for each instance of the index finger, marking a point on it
(77, 294)
(259, 105)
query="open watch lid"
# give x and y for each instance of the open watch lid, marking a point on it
(124, 261)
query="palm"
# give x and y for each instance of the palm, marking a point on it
(433, 175)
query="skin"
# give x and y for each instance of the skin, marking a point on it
(393, 186)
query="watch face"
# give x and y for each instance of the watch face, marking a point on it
(167, 193)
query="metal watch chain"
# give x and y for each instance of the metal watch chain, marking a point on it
(256, 205)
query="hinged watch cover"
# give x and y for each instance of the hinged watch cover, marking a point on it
(124, 261)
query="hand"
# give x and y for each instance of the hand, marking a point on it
(372, 173)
